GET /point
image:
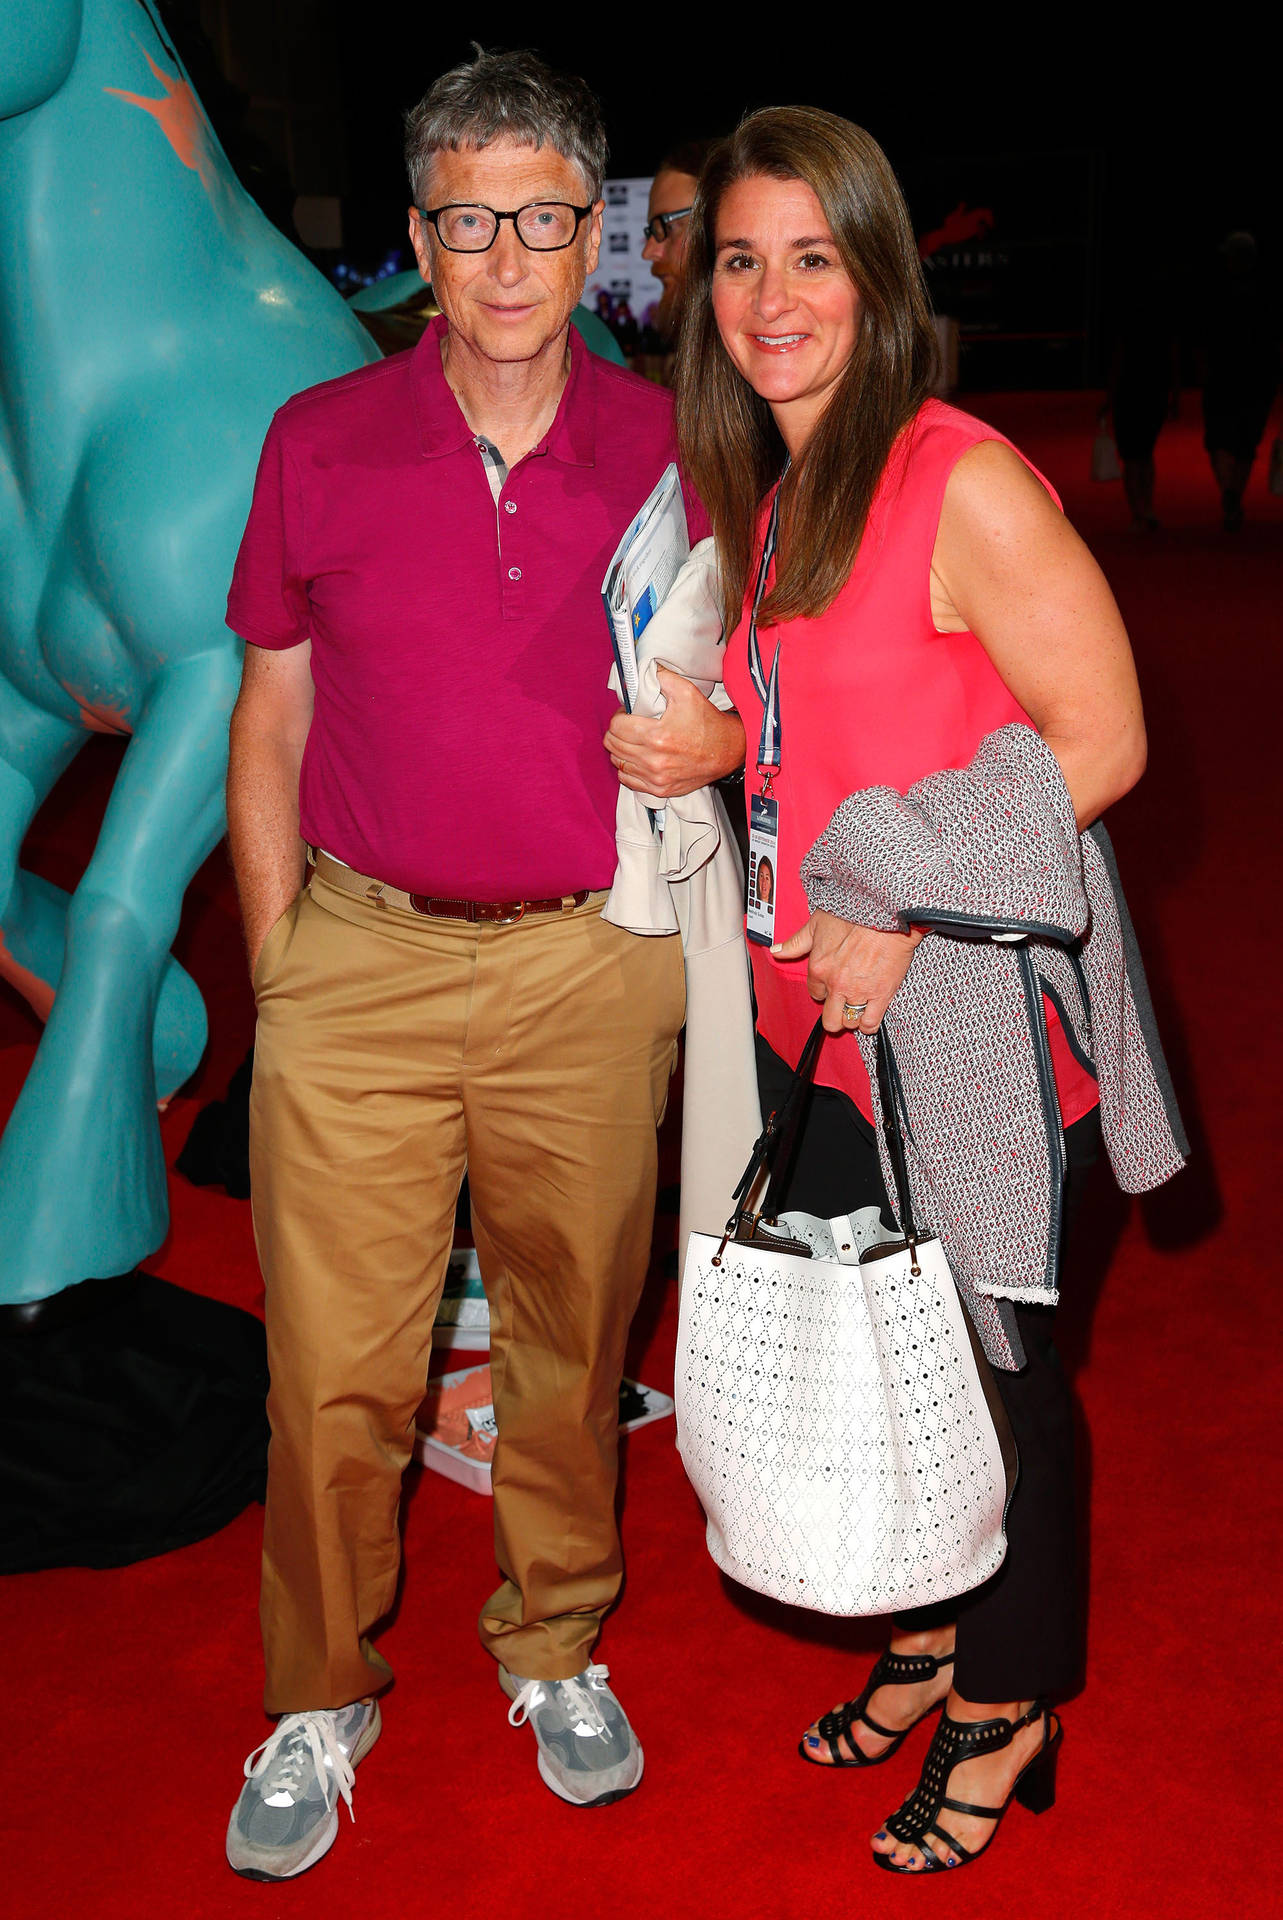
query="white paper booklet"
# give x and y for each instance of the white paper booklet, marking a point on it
(646, 563)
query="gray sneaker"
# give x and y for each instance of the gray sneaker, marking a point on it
(288, 1811)
(588, 1753)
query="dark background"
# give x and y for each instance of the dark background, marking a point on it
(1103, 163)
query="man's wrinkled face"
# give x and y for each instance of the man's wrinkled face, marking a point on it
(510, 302)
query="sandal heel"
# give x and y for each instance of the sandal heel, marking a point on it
(1036, 1787)
(954, 1742)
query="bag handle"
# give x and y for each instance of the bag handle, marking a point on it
(773, 1150)
(776, 1146)
(786, 1123)
(894, 1119)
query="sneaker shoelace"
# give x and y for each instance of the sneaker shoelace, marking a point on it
(284, 1756)
(578, 1697)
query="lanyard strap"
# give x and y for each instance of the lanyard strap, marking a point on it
(768, 691)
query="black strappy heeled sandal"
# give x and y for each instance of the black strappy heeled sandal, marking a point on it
(953, 1742)
(892, 1670)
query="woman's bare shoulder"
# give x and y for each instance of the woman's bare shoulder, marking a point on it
(991, 473)
(998, 522)
(995, 500)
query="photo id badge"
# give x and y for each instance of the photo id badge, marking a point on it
(763, 862)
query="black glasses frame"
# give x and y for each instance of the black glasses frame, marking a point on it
(434, 215)
(665, 223)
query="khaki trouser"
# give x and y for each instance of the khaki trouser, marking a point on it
(393, 1051)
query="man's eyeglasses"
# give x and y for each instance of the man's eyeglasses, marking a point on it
(662, 225)
(545, 226)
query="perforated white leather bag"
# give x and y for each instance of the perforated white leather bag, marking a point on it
(835, 1413)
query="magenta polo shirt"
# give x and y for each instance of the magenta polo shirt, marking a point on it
(459, 648)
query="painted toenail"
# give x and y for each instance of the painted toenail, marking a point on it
(881, 1835)
(811, 1740)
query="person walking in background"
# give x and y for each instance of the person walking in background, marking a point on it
(922, 596)
(1241, 369)
(1144, 387)
(424, 697)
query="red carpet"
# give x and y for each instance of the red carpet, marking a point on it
(132, 1694)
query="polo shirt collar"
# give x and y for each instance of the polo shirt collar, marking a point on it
(442, 428)
(573, 434)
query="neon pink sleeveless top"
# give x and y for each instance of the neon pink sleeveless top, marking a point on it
(873, 694)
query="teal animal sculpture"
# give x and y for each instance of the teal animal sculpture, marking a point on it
(151, 320)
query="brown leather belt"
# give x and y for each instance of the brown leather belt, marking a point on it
(499, 913)
(494, 912)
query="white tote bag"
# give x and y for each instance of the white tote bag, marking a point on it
(835, 1413)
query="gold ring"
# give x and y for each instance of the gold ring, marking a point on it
(851, 1011)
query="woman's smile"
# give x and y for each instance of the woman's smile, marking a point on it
(786, 307)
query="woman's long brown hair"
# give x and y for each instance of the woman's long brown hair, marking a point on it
(730, 445)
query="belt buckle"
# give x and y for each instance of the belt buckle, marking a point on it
(508, 919)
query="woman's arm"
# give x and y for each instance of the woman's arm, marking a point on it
(1008, 566)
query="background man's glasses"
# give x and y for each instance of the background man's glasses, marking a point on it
(662, 225)
(545, 226)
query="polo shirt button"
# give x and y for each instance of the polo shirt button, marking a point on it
(514, 573)
(510, 506)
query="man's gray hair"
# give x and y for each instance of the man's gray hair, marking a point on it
(513, 95)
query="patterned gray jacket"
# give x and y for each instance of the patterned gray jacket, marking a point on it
(989, 857)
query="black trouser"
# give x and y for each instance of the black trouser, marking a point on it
(1020, 1634)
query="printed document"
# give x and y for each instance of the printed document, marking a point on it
(646, 563)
